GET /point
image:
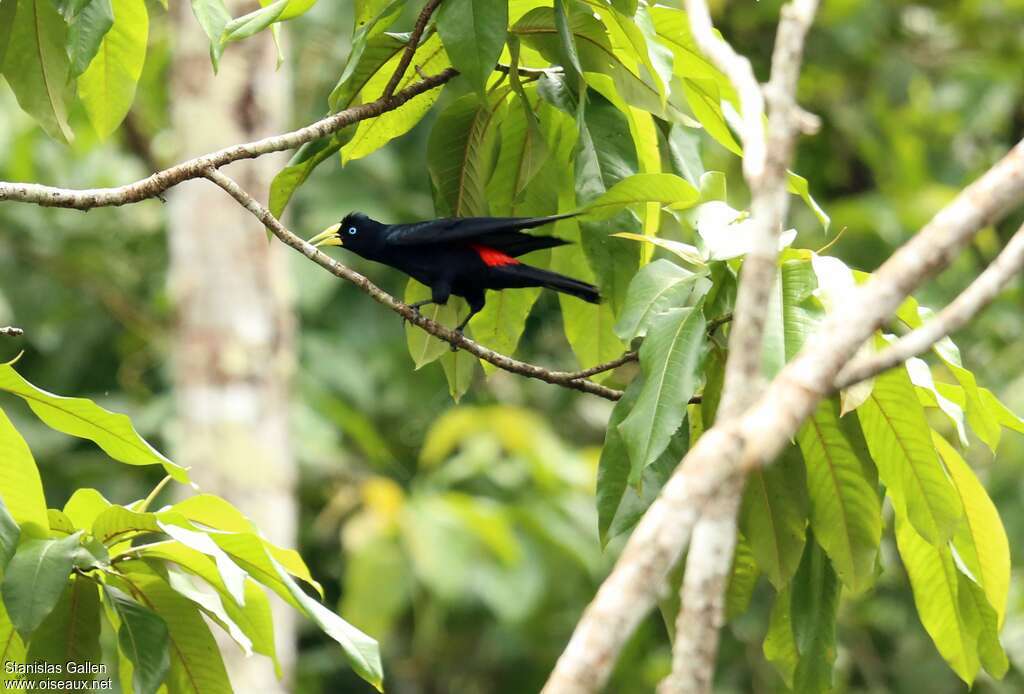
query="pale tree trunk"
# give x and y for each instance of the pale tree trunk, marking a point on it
(234, 335)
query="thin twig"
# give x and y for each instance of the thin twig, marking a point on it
(565, 379)
(11, 331)
(606, 366)
(957, 314)
(152, 186)
(410, 48)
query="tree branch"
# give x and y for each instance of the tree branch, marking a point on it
(11, 331)
(566, 379)
(157, 183)
(756, 438)
(410, 48)
(978, 295)
(766, 160)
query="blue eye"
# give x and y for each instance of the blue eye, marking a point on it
(352, 231)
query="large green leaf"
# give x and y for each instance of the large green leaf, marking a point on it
(898, 438)
(522, 153)
(301, 165)
(35, 578)
(107, 87)
(10, 534)
(473, 32)
(501, 323)
(620, 504)
(424, 348)
(373, 133)
(934, 580)
(846, 512)
(84, 506)
(981, 540)
(459, 368)
(196, 666)
(773, 517)
(779, 643)
(460, 152)
(20, 487)
(80, 417)
(144, 639)
(670, 357)
(658, 287)
(814, 603)
(12, 648)
(256, 21)
(742, 579)
(663, 188)
(362, 66)
(86, 32)
(210, 603)
(37, 67)
(7, 10)
(71, 632)
(234, 577)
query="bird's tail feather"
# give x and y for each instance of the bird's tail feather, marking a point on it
(535, 276)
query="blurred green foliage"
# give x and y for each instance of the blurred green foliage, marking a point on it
(466, 589)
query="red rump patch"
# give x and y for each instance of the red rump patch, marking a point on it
(492, 257)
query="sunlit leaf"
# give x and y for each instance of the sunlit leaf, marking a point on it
(70, 634)
(20, 487)
(658, 287)
(473, 32)
(34, 580)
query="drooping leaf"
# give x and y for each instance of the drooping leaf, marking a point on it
(12, 648)
(981, 539)
(10, 534)
(473, 32)
(773, 517)
(107, 87)
(619, 504)
(362, 66)
(144, 639)
(37, 67)
(665, 189)
(21, 490)
(459, 368)
(288, 179)
(70, 634)
(460, 152)
(424, 348)
(521, 154)
(670, 358)
(742, 579)
(212, 16)
(779, 643)
(84, 506)
(86, 32)
(934, 580)
(34, 580)
(845, 510)
(814, 603)
(210, 603)
(234, 577)
(80, 417)
(898, 438)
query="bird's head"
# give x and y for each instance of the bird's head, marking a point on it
(356, 232)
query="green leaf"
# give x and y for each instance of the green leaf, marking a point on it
(288, 179)
(71, 632)
(521, 154)
(742, 579)
(705, 101)
(979, 613)
(84, 506)
(503, 320)
(86, 32)
(1003, 414)
(196, 666)
(684, 251)
(213, 17)
(898, 438)
(773, 517)
(566, 40)
(424, 348)
(373, 133)
(80, 417)
(254, 619)
(210, 603)
(981, 540)
(112, 525)
(234, 577)
(846, 513)
(670, 358)
(12, 648)
(934, 580)
(814, 604)
(474, 33)
(658, 287)
(35, 579)
(799, 185)
(107, 87)
(364, 63)
(144, 639)
(663, 188)
(254, 22)
(21, 490)
(7, 10)
(10, 533)
(459, 368)
(779, 643)
(619, 504)
(460, 152)
(36, 65)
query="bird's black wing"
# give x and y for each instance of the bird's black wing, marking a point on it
(489, 230)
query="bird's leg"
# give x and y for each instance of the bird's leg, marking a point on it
(476, 304)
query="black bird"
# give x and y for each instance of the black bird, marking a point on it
(464, 256)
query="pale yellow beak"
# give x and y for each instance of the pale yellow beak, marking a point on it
(328, 237)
